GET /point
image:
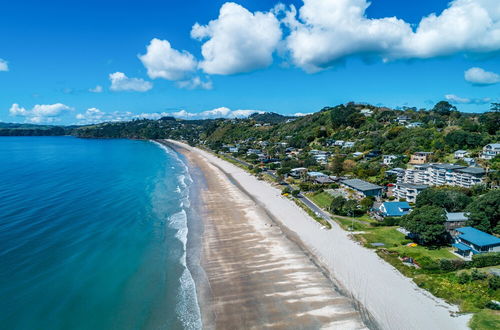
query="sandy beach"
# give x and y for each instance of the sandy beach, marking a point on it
(269, 265)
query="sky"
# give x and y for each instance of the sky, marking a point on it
(91, 61)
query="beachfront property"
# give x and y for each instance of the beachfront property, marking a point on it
(421, 157)
(460, 154)
(408, 191)
(490, 151)
(394, 209)
(470, 241)
(443, 174)
(362, 188)
(455, 220)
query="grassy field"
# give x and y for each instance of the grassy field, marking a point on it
(322, 199)
(486, 320)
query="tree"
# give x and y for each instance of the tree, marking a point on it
(484, 212)
(427, 222)
(444, 108)
(451, 199)
(337, 205)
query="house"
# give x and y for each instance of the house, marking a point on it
(408, 191)
(420, 157)
(298, 172)
(401, 120)
(366, 112)
(470, 241)
(414, 124)
(490, 151)
(388, 159)
(348, 144)
(470, 161)
(460, 154)
(339, 143)
(362, 188)
(357, 154)
(373, 154)
(233, 149)
(455, 220)
(394, 209)
(323, 180)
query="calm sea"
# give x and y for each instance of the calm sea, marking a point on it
(93, 235)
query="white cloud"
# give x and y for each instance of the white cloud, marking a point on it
(40, 113)
(120, 82)
(302, 114)
(222, 112)
(195, 83)
(163, 61)
(95, 116)
(325, 32)
(96, 89)
(4, 66)
(465, 100)
(238, 40)
(478, 76)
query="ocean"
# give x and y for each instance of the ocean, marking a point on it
(93, 235)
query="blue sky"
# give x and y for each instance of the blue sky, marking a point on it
(258, 56)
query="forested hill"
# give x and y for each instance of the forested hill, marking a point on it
(441, 129)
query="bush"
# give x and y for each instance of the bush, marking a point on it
(452, 265)
(494, 282)
(477, 275)
(286, 190)
(463, 278)
(427, 263)
(492, 305)
(486, 260)
(295, 192)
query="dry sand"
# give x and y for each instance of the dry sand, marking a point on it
(259, 278)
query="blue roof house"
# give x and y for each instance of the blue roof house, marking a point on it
(470, 241)
(394, 209)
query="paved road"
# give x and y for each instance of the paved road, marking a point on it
(316, 209)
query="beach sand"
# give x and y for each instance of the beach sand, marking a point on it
(268, 264)
(254, 276)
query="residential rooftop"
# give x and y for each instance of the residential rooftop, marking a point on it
(478, 237)
(360, 185)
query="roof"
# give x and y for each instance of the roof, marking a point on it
(396, 209)
(412, 185)
(456, 216)
(314, 174)
(472, 170)
(494, 145)
(461, 246)
(448, 166)
(461, 151)
(360, 185)
(324, 179)
(477, 237)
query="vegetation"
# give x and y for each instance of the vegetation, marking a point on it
(484, 212)
(427, 223)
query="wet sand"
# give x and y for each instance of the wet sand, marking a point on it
(255, 277)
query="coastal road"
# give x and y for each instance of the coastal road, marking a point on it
(315, 208)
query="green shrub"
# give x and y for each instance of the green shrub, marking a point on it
(295, 192)
(449, 265)
(477, 275)
(463, 278)
(492, 305)
(427, 263)
(486, 260)
(494, 282)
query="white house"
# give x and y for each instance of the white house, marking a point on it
(388, 159)
(408, 191)
(348, 144)
(460, 154)
(366, 112)
(490, 151)
(414, 124)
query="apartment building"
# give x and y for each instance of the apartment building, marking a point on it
(408, 191)
(443, 174)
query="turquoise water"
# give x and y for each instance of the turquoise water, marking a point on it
(93, 235)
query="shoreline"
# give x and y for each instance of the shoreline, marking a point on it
(393, 300)
(246, 290)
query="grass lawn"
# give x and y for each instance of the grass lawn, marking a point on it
(420, 251)
(323, 199)
(485, 319)
(387, 235)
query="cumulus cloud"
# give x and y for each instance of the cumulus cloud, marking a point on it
(163, 61)
(479, 76)
(4, 66)
(120, 82)
(238, 40)
(222, 112)
(325, 32)
(40, 113)
(95, 116)
(465, 100)
(195, 83)
(96, 89)
(302, 114)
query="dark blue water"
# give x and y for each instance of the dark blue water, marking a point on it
(93, 235)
